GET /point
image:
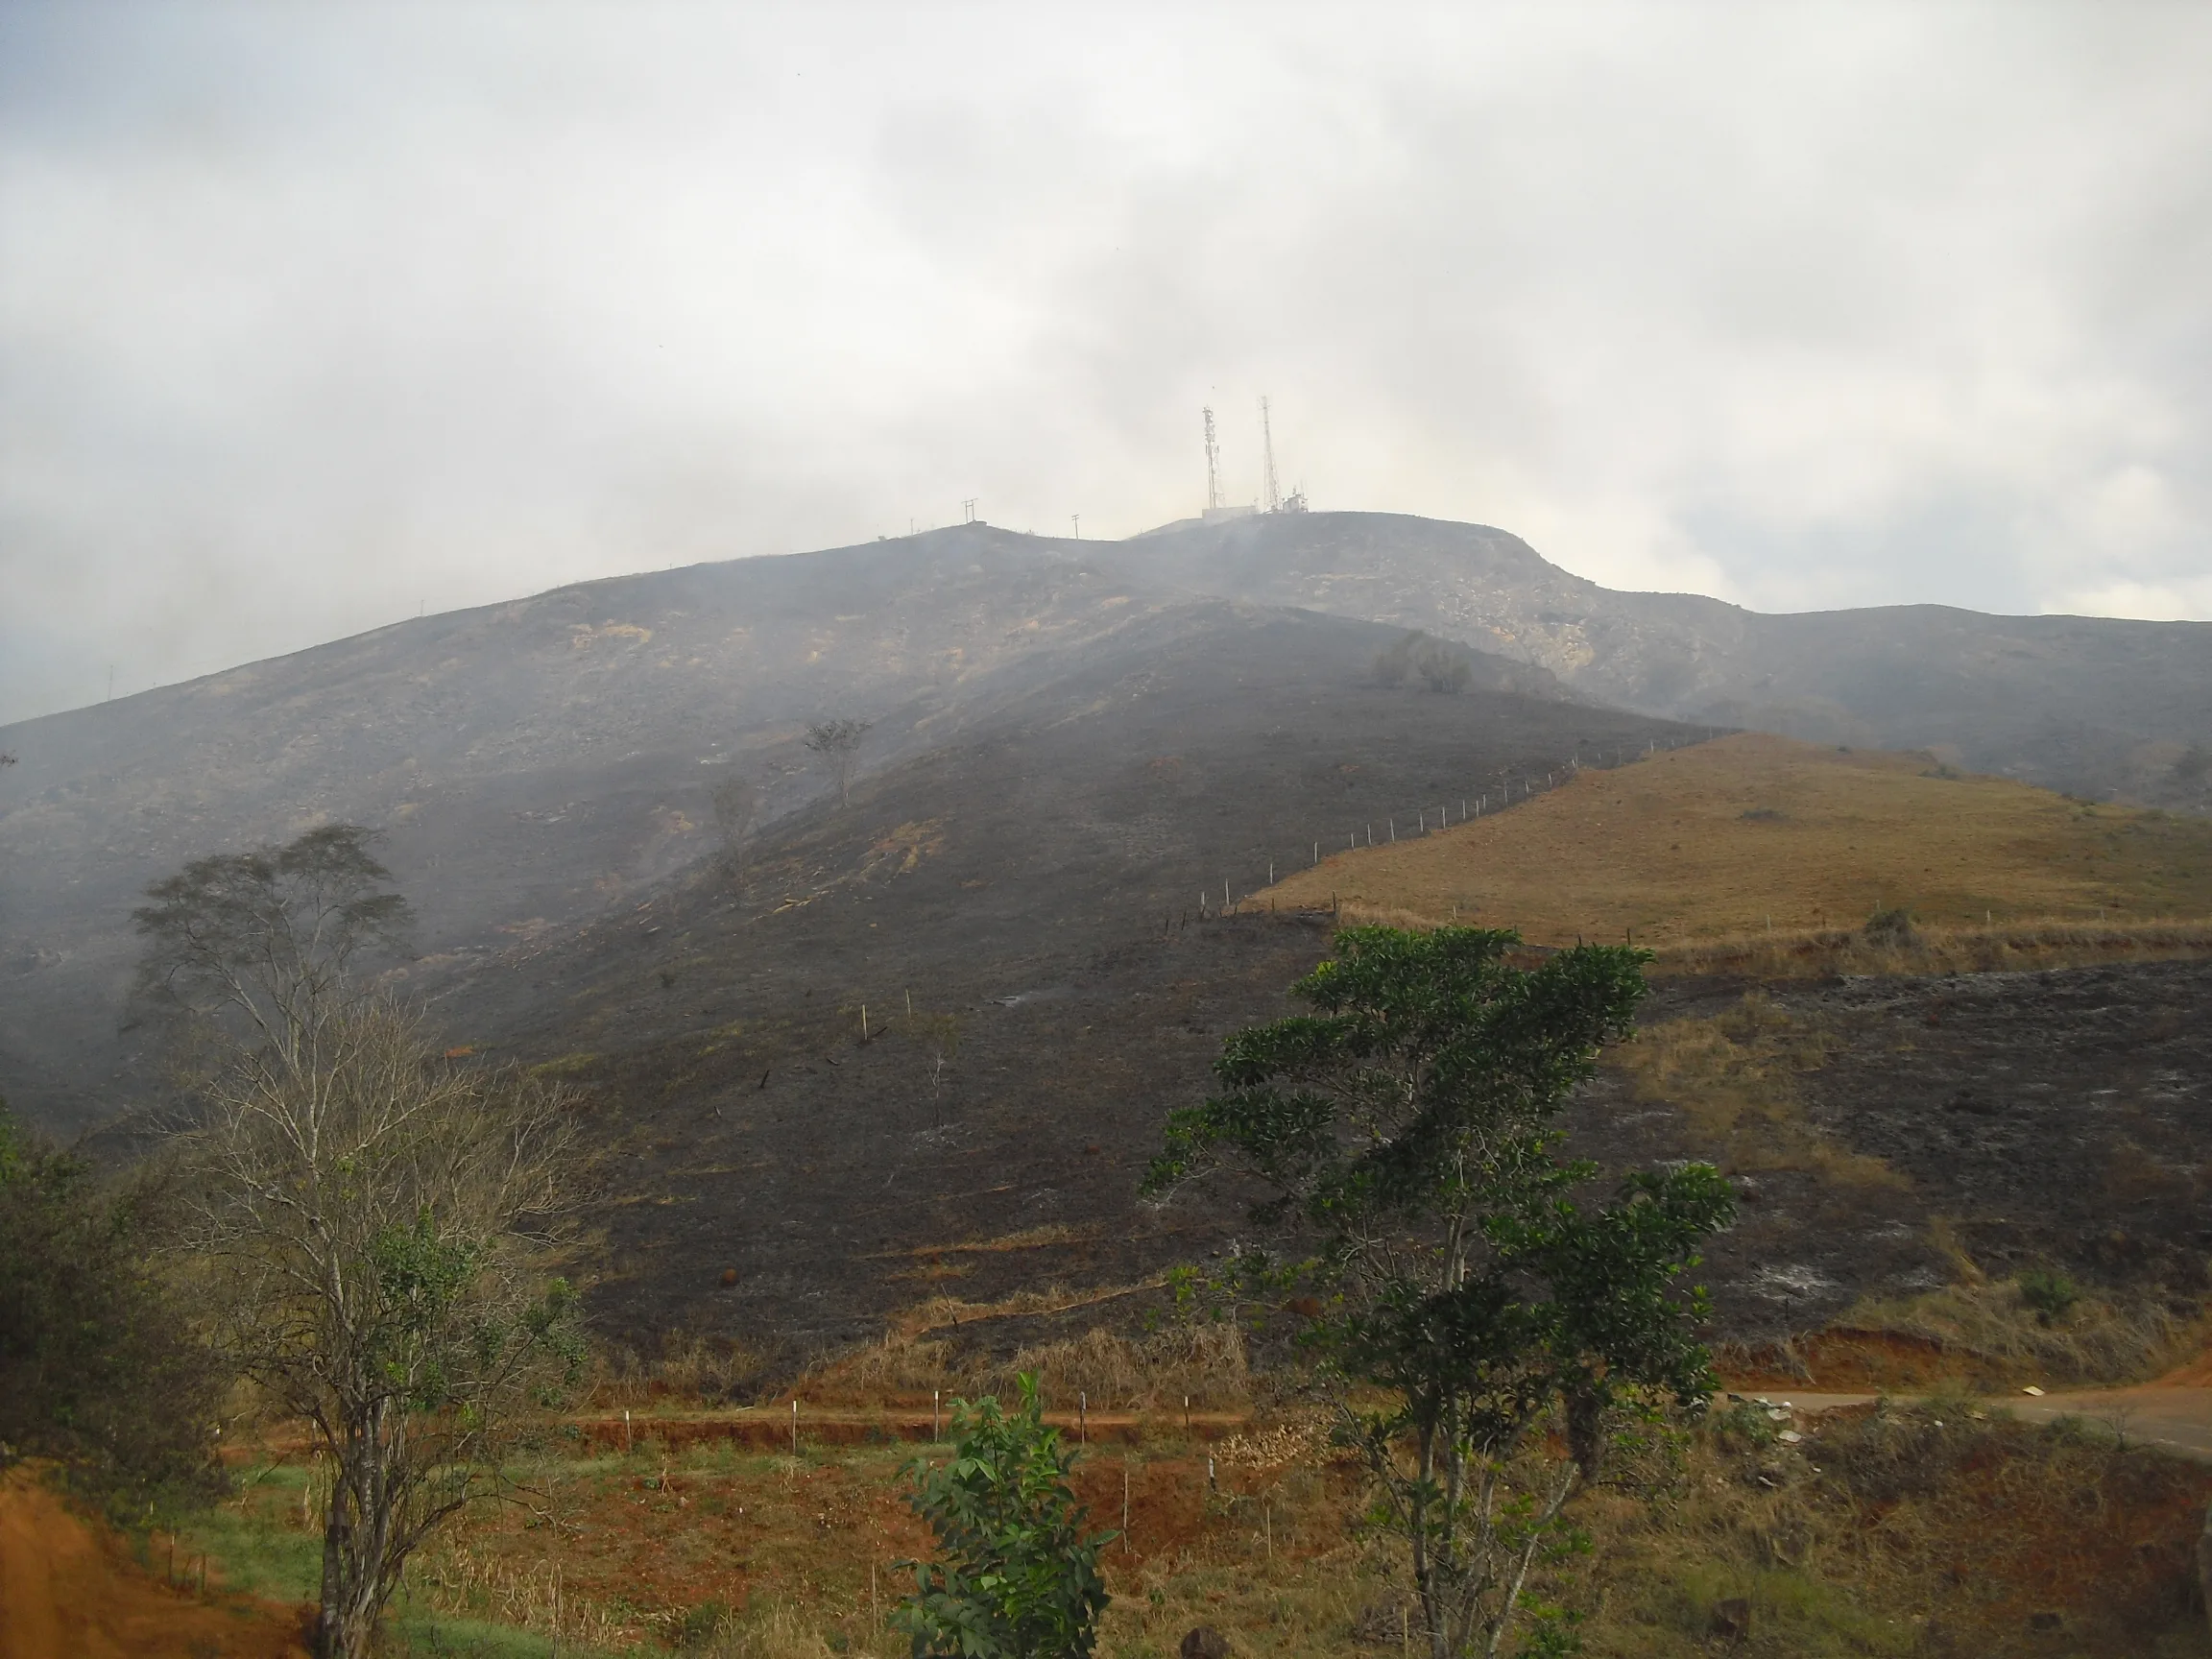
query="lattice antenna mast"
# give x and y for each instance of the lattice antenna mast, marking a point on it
(1271, 490)
(1213, 466)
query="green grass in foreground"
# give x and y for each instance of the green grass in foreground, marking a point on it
(252, 1551)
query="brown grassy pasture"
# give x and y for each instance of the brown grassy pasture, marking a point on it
(1751, 832)
(1907, 1530)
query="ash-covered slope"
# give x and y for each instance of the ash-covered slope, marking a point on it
(539, 763)
(1032, 887)
(531, 763)
(2092, 704)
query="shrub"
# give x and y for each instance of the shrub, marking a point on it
(2050, 1294)
(1017, 1579)
(99, 1368)
(1435, 665)
(1890, 928)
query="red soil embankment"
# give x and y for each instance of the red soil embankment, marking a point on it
(68, 1590)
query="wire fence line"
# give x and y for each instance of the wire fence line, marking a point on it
(1430, 820)
(1514, 787)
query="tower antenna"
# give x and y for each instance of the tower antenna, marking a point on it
(1213, 466)
(1271, 492)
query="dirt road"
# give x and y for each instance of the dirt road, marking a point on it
(70, 1591)
(2175, 1417)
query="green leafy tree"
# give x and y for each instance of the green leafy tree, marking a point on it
(1403, 1137)
(1016, 1577)
(100, 1369)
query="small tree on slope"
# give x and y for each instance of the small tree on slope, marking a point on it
(1405, 1132)
(1017, 1579)
(838, 742)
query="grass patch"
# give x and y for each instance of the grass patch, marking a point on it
(1723, 840)
(1204, 1363)
(1733, 1075)
(2019, 946)
(1028, 1239)
(1997, 1333)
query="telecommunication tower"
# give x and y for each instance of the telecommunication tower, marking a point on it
(1270, 490)
(1214, 501)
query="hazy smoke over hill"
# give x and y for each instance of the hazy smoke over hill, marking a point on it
(313, 317)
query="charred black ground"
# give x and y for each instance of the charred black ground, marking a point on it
(1052, 880)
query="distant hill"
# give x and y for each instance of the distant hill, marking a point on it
(2099, 707)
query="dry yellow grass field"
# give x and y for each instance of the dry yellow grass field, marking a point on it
(1752, 832)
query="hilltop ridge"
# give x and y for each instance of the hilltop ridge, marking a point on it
(541, 762)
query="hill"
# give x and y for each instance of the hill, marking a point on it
(532, 764)
(1751, 832)
(2095, 706)
(541, 762)
(1038, 903)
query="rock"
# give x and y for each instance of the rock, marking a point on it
(2045, 1621)
(1205, 1644)
(1732, 1617)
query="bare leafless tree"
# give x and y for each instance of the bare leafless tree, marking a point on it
(368, 1219)
(736, 803)
(838, 742)
(939, 1037)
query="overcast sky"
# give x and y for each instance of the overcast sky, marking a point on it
(311, 316)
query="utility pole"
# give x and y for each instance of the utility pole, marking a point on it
(1077, 519)
(1213, 466)
(968, 507)
(1270, 491)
